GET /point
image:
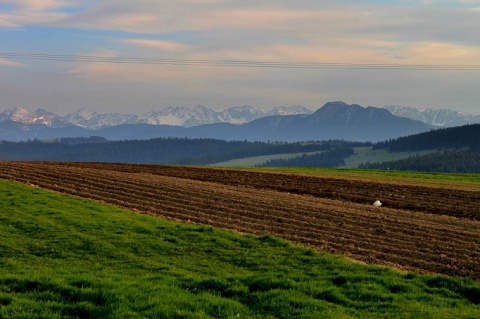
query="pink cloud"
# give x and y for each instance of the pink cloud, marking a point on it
(36, 5)
(157, 44)
(10, 63)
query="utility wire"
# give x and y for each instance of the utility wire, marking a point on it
(237, 63)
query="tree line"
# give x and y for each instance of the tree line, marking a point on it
(467, 136)
(456, 150)
(153, 151)
(445, 161)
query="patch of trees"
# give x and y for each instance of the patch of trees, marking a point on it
(467, 136)
(444, 161)
(333, 157)
(153, 151)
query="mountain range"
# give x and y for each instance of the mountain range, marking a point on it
(435, 117)
(335, 120)
(201, 115)
(181, 116)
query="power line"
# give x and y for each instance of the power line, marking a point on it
(238, 63)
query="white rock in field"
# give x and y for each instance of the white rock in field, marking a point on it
(377, 203)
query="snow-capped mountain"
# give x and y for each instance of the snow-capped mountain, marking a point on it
(335, 120)
(241, 114)
(17, 114)
(40, 116)
(180, 116)
(200, 115)
(436, 117)
(289, 110)
(93, 120)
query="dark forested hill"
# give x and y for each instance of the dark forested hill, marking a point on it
(446, 161)
(467, 136)
(457, 150)
(158, 151)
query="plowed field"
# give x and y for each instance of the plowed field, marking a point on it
(425, 229)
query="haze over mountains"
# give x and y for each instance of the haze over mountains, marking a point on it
(435, 117)
(181, 116)
(335, 120)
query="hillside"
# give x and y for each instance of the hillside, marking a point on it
(154, 151)
(442, 150)
(454, 149)
(67, 257)
(467, 136)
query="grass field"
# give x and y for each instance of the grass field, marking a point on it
(65, 257)
(257, 160)
(366, 154)
(362, 155)
(469, 182)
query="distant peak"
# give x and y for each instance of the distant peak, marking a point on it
(242, 107)
(18, 110)
(337, 106)
(336, 103)
(15, 114)
(289, 110)
(86, 113)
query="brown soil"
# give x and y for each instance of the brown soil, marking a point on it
(424, 229)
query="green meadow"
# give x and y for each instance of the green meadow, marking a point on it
(361, 155)
(66, 257)
(382, 174)
(366, 154)
(258, 160)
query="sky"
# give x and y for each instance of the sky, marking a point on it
(145, 55)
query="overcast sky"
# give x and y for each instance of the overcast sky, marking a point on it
(138, 56)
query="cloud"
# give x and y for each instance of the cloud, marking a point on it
(166, 73)
(328, 29)
(10, 63)
(442, 52)
(37, 5)
(129, 21)
(157, 44)
(394, 32)
(470, 2)
(19, 18)
(6, 21)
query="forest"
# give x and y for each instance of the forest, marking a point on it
(455, 150)
(154, 151)
(467, 136)
(444, 161)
